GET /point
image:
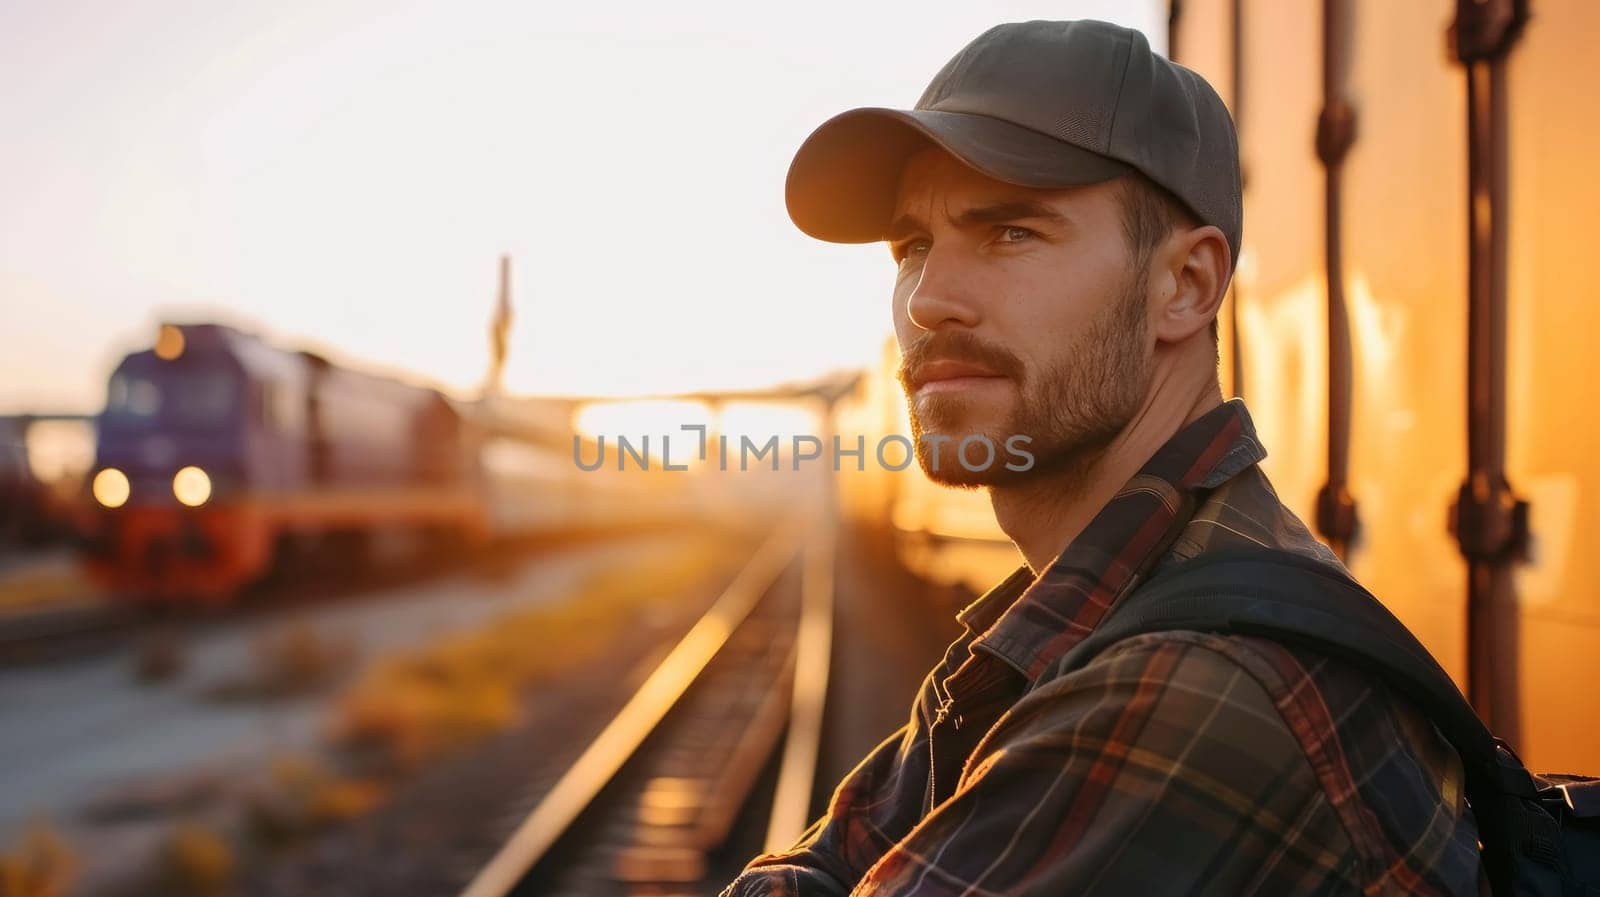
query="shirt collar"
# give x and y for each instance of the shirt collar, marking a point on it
(1030, 622)
(983, 612)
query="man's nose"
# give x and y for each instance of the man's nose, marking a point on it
(943, 294)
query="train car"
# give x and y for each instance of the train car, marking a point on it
(220, 459)
(22, 500)
(217, 454)
(1408, 324)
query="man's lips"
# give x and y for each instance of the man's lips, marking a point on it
(942, 375)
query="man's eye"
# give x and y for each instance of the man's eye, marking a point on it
(1012, 233)
(911, 249)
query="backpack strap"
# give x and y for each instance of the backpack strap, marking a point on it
(1297, 601)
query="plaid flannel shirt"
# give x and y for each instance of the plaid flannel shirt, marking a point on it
(1173, 763)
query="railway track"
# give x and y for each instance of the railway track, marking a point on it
(41, 636)
(677, 774)
(95, 628)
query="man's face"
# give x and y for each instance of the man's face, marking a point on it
(1018, 313)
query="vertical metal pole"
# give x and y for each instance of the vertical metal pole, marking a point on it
(1236, 374)
(1336, 515)
(1174, 19)
(500, 331)
(1489, 522)
(1174, 23)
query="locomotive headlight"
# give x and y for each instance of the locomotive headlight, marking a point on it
(110, 488)
(191, 486)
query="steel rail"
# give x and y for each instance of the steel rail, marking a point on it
(621, 738)
(791, 803)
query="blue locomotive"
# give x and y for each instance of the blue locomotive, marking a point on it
(217, 453)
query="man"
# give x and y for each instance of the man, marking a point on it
(1064, 209)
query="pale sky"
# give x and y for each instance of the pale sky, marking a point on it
(345, 174)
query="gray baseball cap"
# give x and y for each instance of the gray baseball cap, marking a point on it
(1036, 104)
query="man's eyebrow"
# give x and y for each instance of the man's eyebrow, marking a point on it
(994, 213)
(903, 227)
(1012, 210)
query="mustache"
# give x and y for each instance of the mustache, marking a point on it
(955, 345)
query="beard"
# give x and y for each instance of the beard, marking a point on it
(1070, 410)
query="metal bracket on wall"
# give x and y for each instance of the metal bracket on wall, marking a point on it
(1337, 517)
(1489, 521)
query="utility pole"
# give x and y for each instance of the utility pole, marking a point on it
(499, 333)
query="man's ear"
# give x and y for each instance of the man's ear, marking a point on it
(1192, 269)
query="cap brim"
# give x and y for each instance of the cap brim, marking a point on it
(843, 180)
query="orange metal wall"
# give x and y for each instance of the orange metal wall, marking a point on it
(1405, 270)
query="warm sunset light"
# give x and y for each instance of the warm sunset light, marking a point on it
(644, 423)
(111, 488)
(59, 450)
(639, 418)
(348, 174)
(762, 419)
(191, 486)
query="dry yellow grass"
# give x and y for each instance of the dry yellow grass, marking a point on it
(303, 797)
(406, 710)
(409, 709)
(292, 659)
(40, 864)
(55, 581)
(195, 861)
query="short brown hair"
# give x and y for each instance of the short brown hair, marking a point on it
(1150, 213)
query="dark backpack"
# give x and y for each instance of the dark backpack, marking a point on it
(1539, 834)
